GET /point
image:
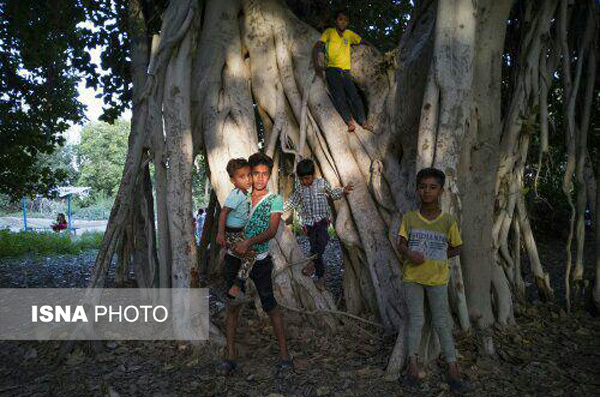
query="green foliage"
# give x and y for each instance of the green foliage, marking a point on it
(17, 244)
(101, 156)
(199, 183)
(96, 207)
(379, 22)
(297, 228)
(43, 57)
(548, 207)
(7, 205)
(62, 160)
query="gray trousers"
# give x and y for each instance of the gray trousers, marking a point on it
(437, 296)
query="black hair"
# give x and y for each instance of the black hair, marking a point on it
(235, 164)
(305, 167)
(341, 12)
(259, 158)
(431, 173)
(200, 211)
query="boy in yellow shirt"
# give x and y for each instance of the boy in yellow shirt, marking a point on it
(428, 237)
(336, 44)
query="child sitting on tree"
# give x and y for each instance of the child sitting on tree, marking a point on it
(428, 237)
(233, 218)
(336, 44)
(311, 200)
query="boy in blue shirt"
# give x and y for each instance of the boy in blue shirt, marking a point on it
(233, 218)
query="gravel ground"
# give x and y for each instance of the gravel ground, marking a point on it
(547, 354)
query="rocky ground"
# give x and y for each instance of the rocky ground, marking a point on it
(547, 354)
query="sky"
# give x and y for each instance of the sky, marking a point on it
(87, 96)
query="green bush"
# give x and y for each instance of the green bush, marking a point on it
(47, 243)
(297, 228)
(96, 207)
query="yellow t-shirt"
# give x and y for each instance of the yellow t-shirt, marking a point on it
(431, 238)
(337, 49)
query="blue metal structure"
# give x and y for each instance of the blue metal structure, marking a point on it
(24, 202)
(71, 228)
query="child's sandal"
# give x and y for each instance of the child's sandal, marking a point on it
(309, 270)
(411, 383)
(226, 367)
(457, 385)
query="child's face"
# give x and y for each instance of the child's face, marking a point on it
(342, 21)
(307, 180)
(241, 178)
(260, 176)
(429, 190)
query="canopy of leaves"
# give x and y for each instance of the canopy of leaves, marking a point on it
(62, 160)
(43, 57)
(101, 156)
(380, 22)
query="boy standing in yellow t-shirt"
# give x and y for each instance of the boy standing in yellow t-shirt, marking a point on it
(336, 44)
(428, 237)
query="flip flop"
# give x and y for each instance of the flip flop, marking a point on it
(411, 383)
(285, 365)
(320, 284)
(309, 270)
(458, 386)
(226, 367)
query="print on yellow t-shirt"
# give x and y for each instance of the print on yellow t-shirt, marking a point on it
(431, 238)
(337, 48)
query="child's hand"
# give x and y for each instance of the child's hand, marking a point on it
(221, 240)
(241, 248)
(348, 188)
(416, 258)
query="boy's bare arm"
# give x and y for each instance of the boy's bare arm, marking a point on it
(402, 246)
(337, 193)
(222, 221)
(453, 251)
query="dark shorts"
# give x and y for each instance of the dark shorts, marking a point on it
(260, 275)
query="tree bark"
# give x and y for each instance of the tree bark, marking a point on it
(435, 102)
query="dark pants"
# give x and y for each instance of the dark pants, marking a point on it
(260, 275)
(318, 237)
(344, 95)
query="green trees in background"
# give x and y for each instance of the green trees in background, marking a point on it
(101, 156)
(62, 160)
(43, 58)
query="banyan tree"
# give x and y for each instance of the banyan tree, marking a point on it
(218, 79)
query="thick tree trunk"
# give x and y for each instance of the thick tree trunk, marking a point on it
(436, 104)
(596, 291)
